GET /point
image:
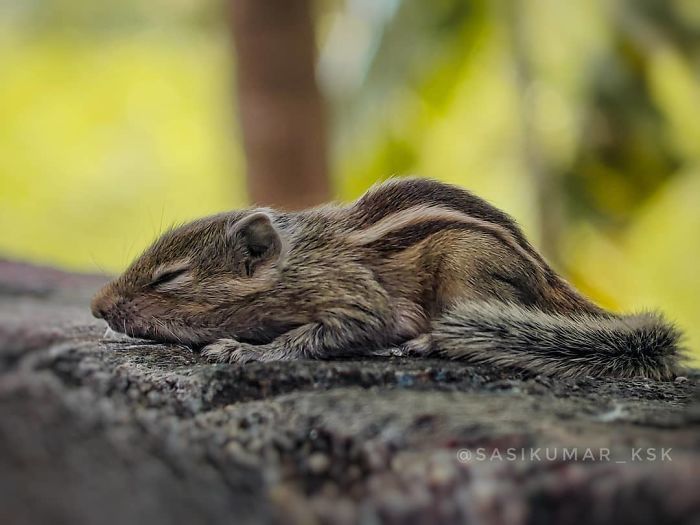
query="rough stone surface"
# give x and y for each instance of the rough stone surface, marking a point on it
(124, 431)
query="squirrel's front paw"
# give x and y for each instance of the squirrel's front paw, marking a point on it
(231, 351)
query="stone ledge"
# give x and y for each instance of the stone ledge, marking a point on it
(126, 431)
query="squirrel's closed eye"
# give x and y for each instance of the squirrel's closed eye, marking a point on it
(167, 276)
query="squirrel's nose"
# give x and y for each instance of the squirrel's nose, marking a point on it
(98, 309)
(98, 312)
(99, 306)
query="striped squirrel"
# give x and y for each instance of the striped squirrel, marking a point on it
(414, 264)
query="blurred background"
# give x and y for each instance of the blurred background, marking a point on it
(580, 118)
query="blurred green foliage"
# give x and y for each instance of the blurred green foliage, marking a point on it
(581, 118)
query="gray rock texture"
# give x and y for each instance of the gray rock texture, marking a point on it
(126, 431)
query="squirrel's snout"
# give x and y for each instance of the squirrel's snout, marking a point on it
(101, 304)
(97, 311)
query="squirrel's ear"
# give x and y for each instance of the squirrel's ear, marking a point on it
(259, 238)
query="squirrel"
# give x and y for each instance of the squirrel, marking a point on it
(416, 265)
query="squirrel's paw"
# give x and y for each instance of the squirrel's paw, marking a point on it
(231, 351)
(418, 347)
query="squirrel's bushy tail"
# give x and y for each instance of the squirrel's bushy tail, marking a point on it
(642, 345)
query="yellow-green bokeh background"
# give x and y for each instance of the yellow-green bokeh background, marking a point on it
(110, 132)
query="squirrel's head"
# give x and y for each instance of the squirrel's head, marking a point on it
(190, 284)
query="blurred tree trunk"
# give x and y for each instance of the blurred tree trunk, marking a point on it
(281, 109)
(547, 188)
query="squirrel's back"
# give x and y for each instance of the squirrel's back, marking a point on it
(549, 328)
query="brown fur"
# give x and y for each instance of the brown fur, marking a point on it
(383, 271)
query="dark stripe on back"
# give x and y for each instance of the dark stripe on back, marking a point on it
(407, 236)
(400, 195)
(403, 238)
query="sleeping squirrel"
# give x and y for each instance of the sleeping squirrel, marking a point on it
(415, 265)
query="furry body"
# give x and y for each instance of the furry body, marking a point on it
(414, 264)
